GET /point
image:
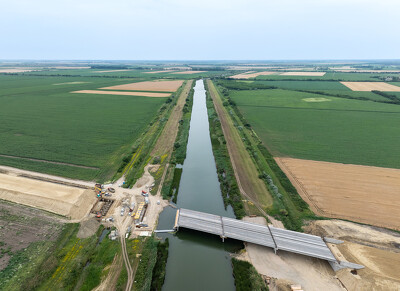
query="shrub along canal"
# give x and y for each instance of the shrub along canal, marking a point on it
(198, 261)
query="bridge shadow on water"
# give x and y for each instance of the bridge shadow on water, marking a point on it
(209, 240)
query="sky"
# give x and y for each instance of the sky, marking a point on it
(199, 30)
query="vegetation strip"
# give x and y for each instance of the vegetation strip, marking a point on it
(179, 151)
(226, 176)
(246, 277)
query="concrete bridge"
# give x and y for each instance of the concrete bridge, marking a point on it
(265, 235)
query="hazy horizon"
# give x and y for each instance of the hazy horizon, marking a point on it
(172, 30)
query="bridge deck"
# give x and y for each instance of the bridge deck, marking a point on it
(277, 238)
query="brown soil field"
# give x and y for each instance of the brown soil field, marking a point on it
(311, 74)
(369, 86)
(363, 194)
(157, 72)
(145, 94)
(189, 72)
(20, 226)
(69, 201)
(375, 248)
(158, 85)
(249, 75)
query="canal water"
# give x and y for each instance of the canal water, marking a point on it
(198, 261)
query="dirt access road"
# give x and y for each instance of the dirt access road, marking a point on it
(245, 171)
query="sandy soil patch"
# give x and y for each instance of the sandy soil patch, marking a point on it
(158, 85)
(145, 94)
(309, 74)
(249, 75)
(320, 99)
(61, 199)
(158, 72)
(364, 194)
(88, 227)
(71, 83)
(111, 71)
(369, 86)
(375, 248)
(189, 72)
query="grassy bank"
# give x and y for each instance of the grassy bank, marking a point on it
(172, 179)
(226, 176)
(150, 272)
(246, 277)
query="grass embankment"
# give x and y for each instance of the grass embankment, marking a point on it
(287, 206)
(226, 176)
(246, 277)
(172, 179)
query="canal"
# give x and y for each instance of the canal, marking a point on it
(198, 261)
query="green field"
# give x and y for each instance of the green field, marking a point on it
(132, 73)
(40, 120)
(339, 130)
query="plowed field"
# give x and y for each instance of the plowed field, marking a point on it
(369, 86)
(364, 194)
(158, 85)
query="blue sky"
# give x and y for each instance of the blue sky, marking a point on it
(199, 30)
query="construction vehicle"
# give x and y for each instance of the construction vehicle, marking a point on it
(98, 215)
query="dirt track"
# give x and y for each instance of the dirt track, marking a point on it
(364, 194)
(369, 86)
(158, 85)
(145, 94)
(165, 142)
